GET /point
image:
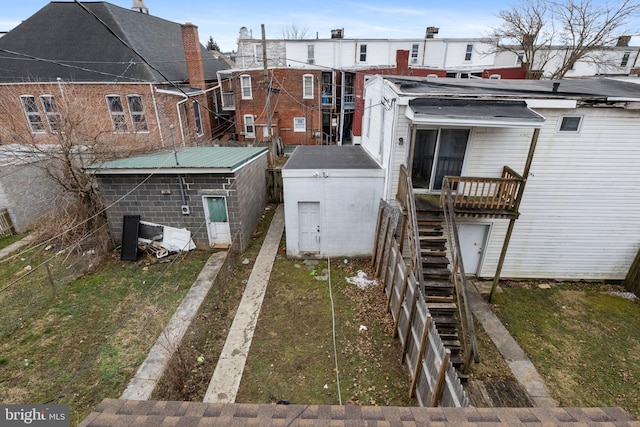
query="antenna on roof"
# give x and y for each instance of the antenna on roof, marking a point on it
(139, 6)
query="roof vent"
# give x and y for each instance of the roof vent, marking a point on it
(432, 32)
(337, 33)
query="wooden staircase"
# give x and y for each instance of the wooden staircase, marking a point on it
(438, 287)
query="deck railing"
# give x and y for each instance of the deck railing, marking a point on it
(458, 277)
(485, 193)
(408, 203)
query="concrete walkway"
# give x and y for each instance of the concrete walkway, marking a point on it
(16, 245)
(518, 361)
(225, 381)
(149, 373)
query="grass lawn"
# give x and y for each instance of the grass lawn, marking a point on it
(584, 342)
(7, 240)
(84, 342)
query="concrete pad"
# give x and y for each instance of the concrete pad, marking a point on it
(519, 363)
(225, 381)
(149, 373)
(16, 245)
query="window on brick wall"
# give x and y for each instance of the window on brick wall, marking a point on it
(116, 110)
(245, 83)
(136, 111)
(307, 86)
(33, 113)
(196, 113)
(299, 124)
(51, 112)
(249, 126)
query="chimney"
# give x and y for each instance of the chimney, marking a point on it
(337, 34)
(193, 55)
(432, 32)
(139, 6)
(623, 41)
(402, 62)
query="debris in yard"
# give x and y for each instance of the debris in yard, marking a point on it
(310, 263)
(296, 265)
(626, 295)
(313, 272)
(245, 261)
(326, 386)
(200, 359)
(544, 286)
(361, 280)
(363, 328)
(27, 267)
(346, 261)
(324, 276)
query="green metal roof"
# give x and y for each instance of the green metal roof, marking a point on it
(213, 159)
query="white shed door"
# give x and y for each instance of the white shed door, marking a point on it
(309, 226)
(473, 239)
(217, 217)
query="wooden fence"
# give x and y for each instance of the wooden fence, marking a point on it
(6, 226)
(632, 281)
(274, 185)
(434, 381)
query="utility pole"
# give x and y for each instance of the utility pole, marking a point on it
(267, 85)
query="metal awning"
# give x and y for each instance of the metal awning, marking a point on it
(472, 112)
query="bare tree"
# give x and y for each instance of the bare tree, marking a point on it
(294, 32)
(581, 28)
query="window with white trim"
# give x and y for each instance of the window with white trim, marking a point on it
(363, 53)
(468, 52)
(245, 84)
(307, 86)
(311, 54)
(249, 126)
(570, 124)
(33, 113)
(136, 112)
(414, 53)
(116, 111)
(299, 124)
(51, 112)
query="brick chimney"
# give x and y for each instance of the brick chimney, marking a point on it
(193, 55)
(402, 62)
(623, 41)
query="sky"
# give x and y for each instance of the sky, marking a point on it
(360, 19)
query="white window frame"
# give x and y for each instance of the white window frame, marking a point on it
(311, 58)
(198, 118)
(561, 123)
(415, 50)
(245, 86)
(118, 118)
(362, 53)
(51, 111)
(258, 53)
(468, 52)
(307, 86)
(34, 118)
(138, 117)
(249, 126)
(299, 124)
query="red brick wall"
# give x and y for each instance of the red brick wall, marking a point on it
(286, 103)
(193, 55)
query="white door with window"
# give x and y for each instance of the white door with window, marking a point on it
(436, 154)
(309, 227)
(473, 240)
(217, 219)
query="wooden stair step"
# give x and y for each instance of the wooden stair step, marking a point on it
(435, 260)
(452, 344)
(442, 306)
(436, 273)
(448, 336)
(432, 252)
(445, 320)
(439, 299)
(430, 232)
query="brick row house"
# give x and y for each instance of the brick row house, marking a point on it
(130, 80)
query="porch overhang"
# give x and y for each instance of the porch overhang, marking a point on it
(473, 112)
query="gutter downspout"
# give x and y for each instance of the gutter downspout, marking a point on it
(155, 108)
(512, 221)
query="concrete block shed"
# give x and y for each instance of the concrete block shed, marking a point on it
(217, 193)
(331, 198)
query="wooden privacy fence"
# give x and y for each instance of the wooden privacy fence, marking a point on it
(434, 381)
(632, 281)
(6, 226)
(274, 185)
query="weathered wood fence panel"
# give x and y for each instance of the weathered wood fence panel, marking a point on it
(632, 281)
(274, 185)
(6, 226)
(434, 381)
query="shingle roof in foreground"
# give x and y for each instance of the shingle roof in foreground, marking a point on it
(112, 412)
(224, 159)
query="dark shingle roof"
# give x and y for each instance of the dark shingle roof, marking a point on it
(330, 157)
(64, 32)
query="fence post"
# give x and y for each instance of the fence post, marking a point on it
(403, 295)
(380, 260)
(424, 340)
(437, 393)
(393, 276)
(410, 321)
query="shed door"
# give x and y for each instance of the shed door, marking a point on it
(473, 240)
(217, 218)
(309, 226)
